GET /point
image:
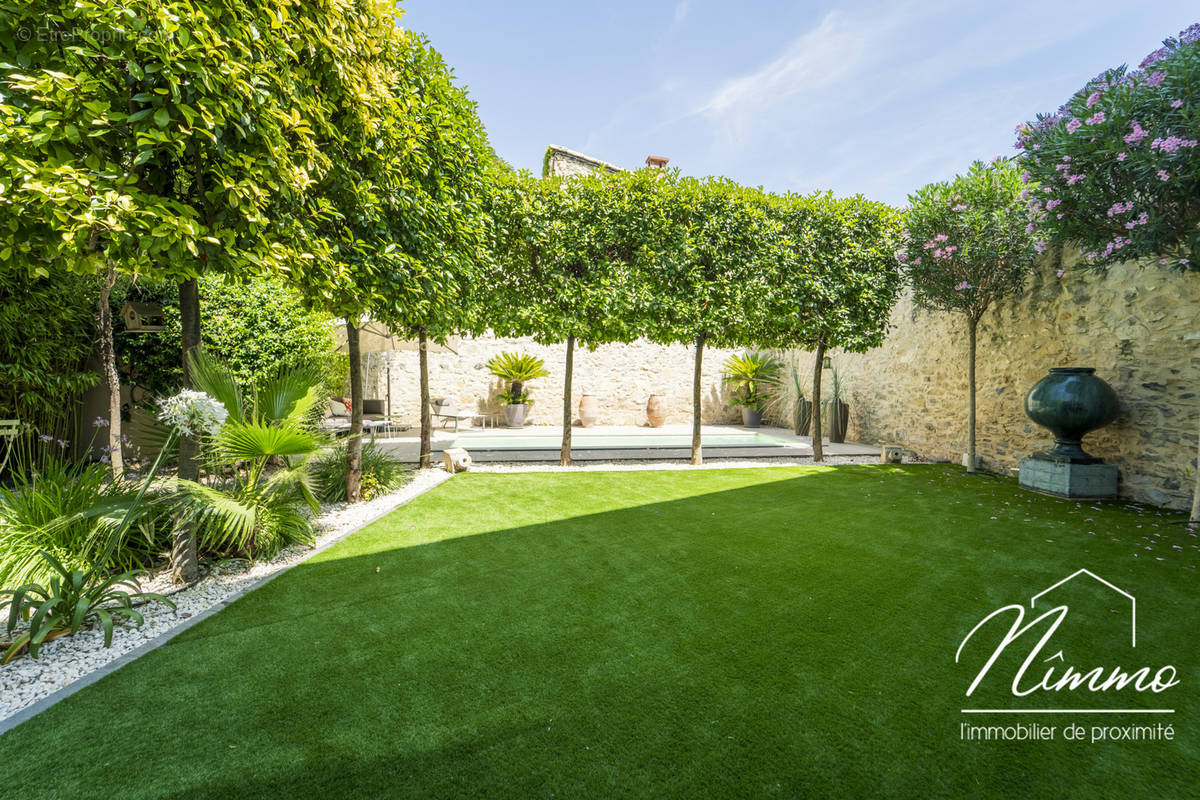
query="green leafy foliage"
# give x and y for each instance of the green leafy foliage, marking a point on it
(382, 472)
(72, 511)
(256, 327)
(46, 336)
(68, 601)
(751, 374)
(967, 240)
(253, 502)
(1115, 172)
(517, 369)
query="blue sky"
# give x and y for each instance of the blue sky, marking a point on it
(871, 98)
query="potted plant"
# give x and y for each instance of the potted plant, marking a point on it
(786, 405)
(749, 374)
(516, 369)
(837, 411)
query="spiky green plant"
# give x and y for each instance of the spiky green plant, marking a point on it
(253, 504)
(381, 471)
(518, 369)
(73, 511)
(70, 599)
(785, 400)
(749, 374)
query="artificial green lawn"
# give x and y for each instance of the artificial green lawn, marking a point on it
(784, 632)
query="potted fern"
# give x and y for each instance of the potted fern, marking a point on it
(750, 374)
(516, 369)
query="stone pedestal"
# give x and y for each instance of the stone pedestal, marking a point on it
(1067, 479)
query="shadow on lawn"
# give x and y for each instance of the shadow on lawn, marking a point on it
(770, 638)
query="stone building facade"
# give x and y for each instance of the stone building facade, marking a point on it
(622, 376)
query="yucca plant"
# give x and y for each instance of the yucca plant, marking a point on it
(749, 374)
(253, 504)
(517, 369)
(381, 471)
(68, 601)
(785, 400)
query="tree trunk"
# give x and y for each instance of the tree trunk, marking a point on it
(354, 442)
(108, 365)
(426, 413)
(564, 458)
(972, 324)
(1195, 517)
(814, 427)
(185, 566)
(697, 453)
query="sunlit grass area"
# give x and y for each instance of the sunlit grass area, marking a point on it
(785, 632)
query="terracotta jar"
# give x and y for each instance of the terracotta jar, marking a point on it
(656, 410)
(589, 410)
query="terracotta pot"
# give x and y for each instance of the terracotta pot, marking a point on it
(589, 410)
(656, 410)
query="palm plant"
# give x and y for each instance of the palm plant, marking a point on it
(750, 374)
(259, 485)
(517, 369)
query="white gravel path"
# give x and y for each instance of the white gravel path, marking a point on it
(70, 658)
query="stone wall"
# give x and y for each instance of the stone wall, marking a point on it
(562, 162)
(623, 377)
(1140, 329)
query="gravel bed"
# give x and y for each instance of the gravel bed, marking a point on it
(69, 658)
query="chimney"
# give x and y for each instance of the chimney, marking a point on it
(656, 162)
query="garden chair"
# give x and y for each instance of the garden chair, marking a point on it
(447, 410)
(9, 430)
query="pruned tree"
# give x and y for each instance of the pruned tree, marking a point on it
(151, 139)
(968, 244)
(835, 284)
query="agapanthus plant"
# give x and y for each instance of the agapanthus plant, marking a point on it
(1115, 172)
(192, 413)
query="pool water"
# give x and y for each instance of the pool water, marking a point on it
(612, 441)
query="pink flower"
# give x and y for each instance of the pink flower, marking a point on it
(1093, 98)
(1029, 228)
(1122, 156)
(1176, 103)
(1074, 125)
(937, 253)
(962, 287)
(1039, 246)
(1052, 204)
(1059, 274)
(941, 237)
(1156, 79)
(917, 260)
(1096, 118)
(1163, 175)
(1137, 135)
(1074, 179)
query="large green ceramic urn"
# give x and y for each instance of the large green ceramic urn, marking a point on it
(1071, 402)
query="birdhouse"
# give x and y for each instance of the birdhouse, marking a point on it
(142, 316)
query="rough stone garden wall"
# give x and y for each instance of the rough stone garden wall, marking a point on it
(622, 376)
(1140, 329)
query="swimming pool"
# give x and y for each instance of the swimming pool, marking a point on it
(615, 441)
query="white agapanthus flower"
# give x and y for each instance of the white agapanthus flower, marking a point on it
(192, 413)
